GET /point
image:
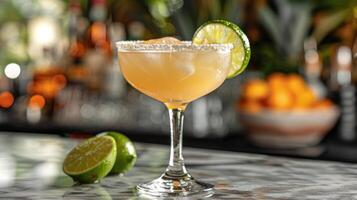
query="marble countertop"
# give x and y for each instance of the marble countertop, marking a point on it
(30, 168)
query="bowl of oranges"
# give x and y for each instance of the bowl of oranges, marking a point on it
(282, 111)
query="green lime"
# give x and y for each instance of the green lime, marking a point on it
(91, 160)
(126, 154)
(225, 32)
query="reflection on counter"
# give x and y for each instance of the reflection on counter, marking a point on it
(29, 172)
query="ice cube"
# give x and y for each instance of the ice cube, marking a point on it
(181, 62)
(154, 58)
(184, 65)
(164, 40)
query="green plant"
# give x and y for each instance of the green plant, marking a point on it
(290, 25)
(13, 35)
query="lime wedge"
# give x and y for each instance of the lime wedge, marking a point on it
(126, 154)
(91, 160)
(225, 32)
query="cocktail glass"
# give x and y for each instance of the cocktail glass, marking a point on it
(175, 74)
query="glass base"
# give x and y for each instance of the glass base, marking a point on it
(175, 186)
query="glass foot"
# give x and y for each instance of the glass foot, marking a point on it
(173, 186)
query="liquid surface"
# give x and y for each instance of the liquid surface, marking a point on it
(175, 78)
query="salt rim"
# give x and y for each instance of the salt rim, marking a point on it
(140, 45)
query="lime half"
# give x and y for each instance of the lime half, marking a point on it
(126, 154)
(225, 32)
(91, 160)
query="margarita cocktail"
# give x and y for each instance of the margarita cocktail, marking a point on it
(176, 73)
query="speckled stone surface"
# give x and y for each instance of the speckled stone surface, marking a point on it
(30, 168)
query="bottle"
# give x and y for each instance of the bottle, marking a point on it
(98, 34)
(76, 71)
(313, 68)
(99, 49)
(347, 91)
(354, 48)
(136, 30)
(115, 85)
(77, 47)
(47, 81)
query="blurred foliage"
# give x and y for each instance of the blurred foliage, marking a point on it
(14, 18)
(288, 26)
(282, 25)
(277, 28)
(175, 17)
(290, 22)
(13, 35)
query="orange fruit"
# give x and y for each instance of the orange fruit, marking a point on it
(276, 80)
(280, 99)
(255, 89)
(251, 106)
(295, 83)
(304, 99)
(322, 104)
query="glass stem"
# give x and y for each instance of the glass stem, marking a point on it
(176, 166)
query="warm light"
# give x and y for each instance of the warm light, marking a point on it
(12, 70)
(6, 99)
(344, 56)
(43, 31)
(98, 32)
(47, 87)
(37, 101)
(60, 80)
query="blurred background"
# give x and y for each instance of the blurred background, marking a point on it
(59, 73)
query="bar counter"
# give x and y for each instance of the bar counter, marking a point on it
(31, 168)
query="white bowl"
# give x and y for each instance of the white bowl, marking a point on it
(288, 129)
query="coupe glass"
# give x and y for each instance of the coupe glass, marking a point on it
(175, 74)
